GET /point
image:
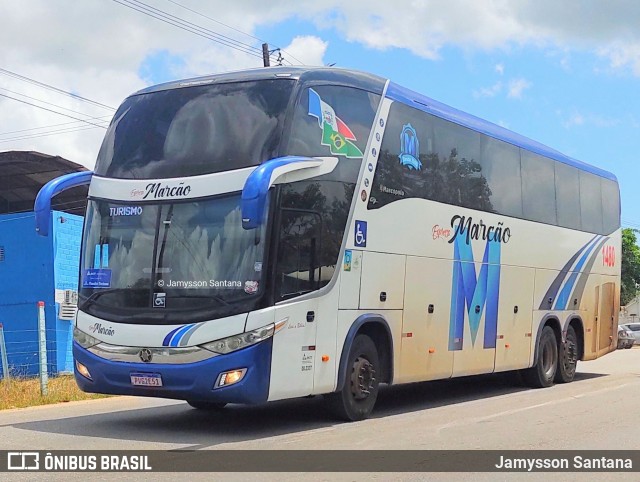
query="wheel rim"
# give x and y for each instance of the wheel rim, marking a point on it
(362, 378)
(548, 362)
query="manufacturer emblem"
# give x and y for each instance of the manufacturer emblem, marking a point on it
(146, 355)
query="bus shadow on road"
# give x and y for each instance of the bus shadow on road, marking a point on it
(424, 395)
(179, 424)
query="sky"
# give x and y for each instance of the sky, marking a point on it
(566, 74)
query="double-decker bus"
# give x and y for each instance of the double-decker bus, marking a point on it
(285, 232)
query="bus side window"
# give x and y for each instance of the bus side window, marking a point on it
(299, 245)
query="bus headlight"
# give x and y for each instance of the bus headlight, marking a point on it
(243, 340)
(83, 339)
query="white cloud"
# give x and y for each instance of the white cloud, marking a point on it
(308, 49)
(96, 49)
(622, 55)
(574, 120)
(492, 91)
(516, 87)
(578, 119)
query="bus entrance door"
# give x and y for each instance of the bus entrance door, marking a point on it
(605, 313)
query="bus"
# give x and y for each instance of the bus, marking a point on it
(287, 232)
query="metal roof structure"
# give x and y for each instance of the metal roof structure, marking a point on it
(23, 173)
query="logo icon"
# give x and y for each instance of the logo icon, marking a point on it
(335, 133)
(159, 300)
(360, 235)
(409, 148)
(23, 461)
(146, 355)
(474, 293)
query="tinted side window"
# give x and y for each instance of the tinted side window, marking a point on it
(538, 188)
(501, 166)
(425, 157)
(610, 206)
(590, 202)
(568, 196)
(313, 219)
(332, 120)
(456, 163)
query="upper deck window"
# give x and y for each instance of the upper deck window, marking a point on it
(195, 130)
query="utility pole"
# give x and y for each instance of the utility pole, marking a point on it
(265, 55)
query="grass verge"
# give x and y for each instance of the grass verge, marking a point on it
(21, 393)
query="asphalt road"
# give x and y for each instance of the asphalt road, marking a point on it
(599, 410)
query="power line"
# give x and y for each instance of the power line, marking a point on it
(51, 110)
(45, 102)
(51, 87)
(233, 28)
(188, 26)
(216, 21)
(105, 118)
(47, 134)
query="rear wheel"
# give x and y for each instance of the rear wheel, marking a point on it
(211, 406)
(542, 373)
(568, 359)
(360, 390)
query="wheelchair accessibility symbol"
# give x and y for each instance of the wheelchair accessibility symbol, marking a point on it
(360, 235)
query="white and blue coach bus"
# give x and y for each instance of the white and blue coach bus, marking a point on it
(285, 232)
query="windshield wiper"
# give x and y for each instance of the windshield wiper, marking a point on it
(97, 294)
(217, 298)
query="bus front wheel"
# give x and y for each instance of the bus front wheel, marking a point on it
(359, 392)
(542, 373)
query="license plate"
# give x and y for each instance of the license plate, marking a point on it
(146, 379)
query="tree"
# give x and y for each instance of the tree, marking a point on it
(630, 266)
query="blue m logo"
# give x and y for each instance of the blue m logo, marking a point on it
(474, 295)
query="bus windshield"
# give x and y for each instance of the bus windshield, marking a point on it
(164, 261)
(195, 130)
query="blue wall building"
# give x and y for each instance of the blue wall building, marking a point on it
(35, 268)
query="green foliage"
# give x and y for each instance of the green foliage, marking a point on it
(630, 265)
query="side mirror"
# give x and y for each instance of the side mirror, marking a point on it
(278, 171)
(42, 206)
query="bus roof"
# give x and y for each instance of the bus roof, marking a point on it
(353, 78)
(424, 103)
(376, 84)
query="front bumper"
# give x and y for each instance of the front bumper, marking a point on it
(189, 381)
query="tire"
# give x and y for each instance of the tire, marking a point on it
(360, 390)
(568, 359)
(209, 406)
(542, 373)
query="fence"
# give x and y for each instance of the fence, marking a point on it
(36, 350)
